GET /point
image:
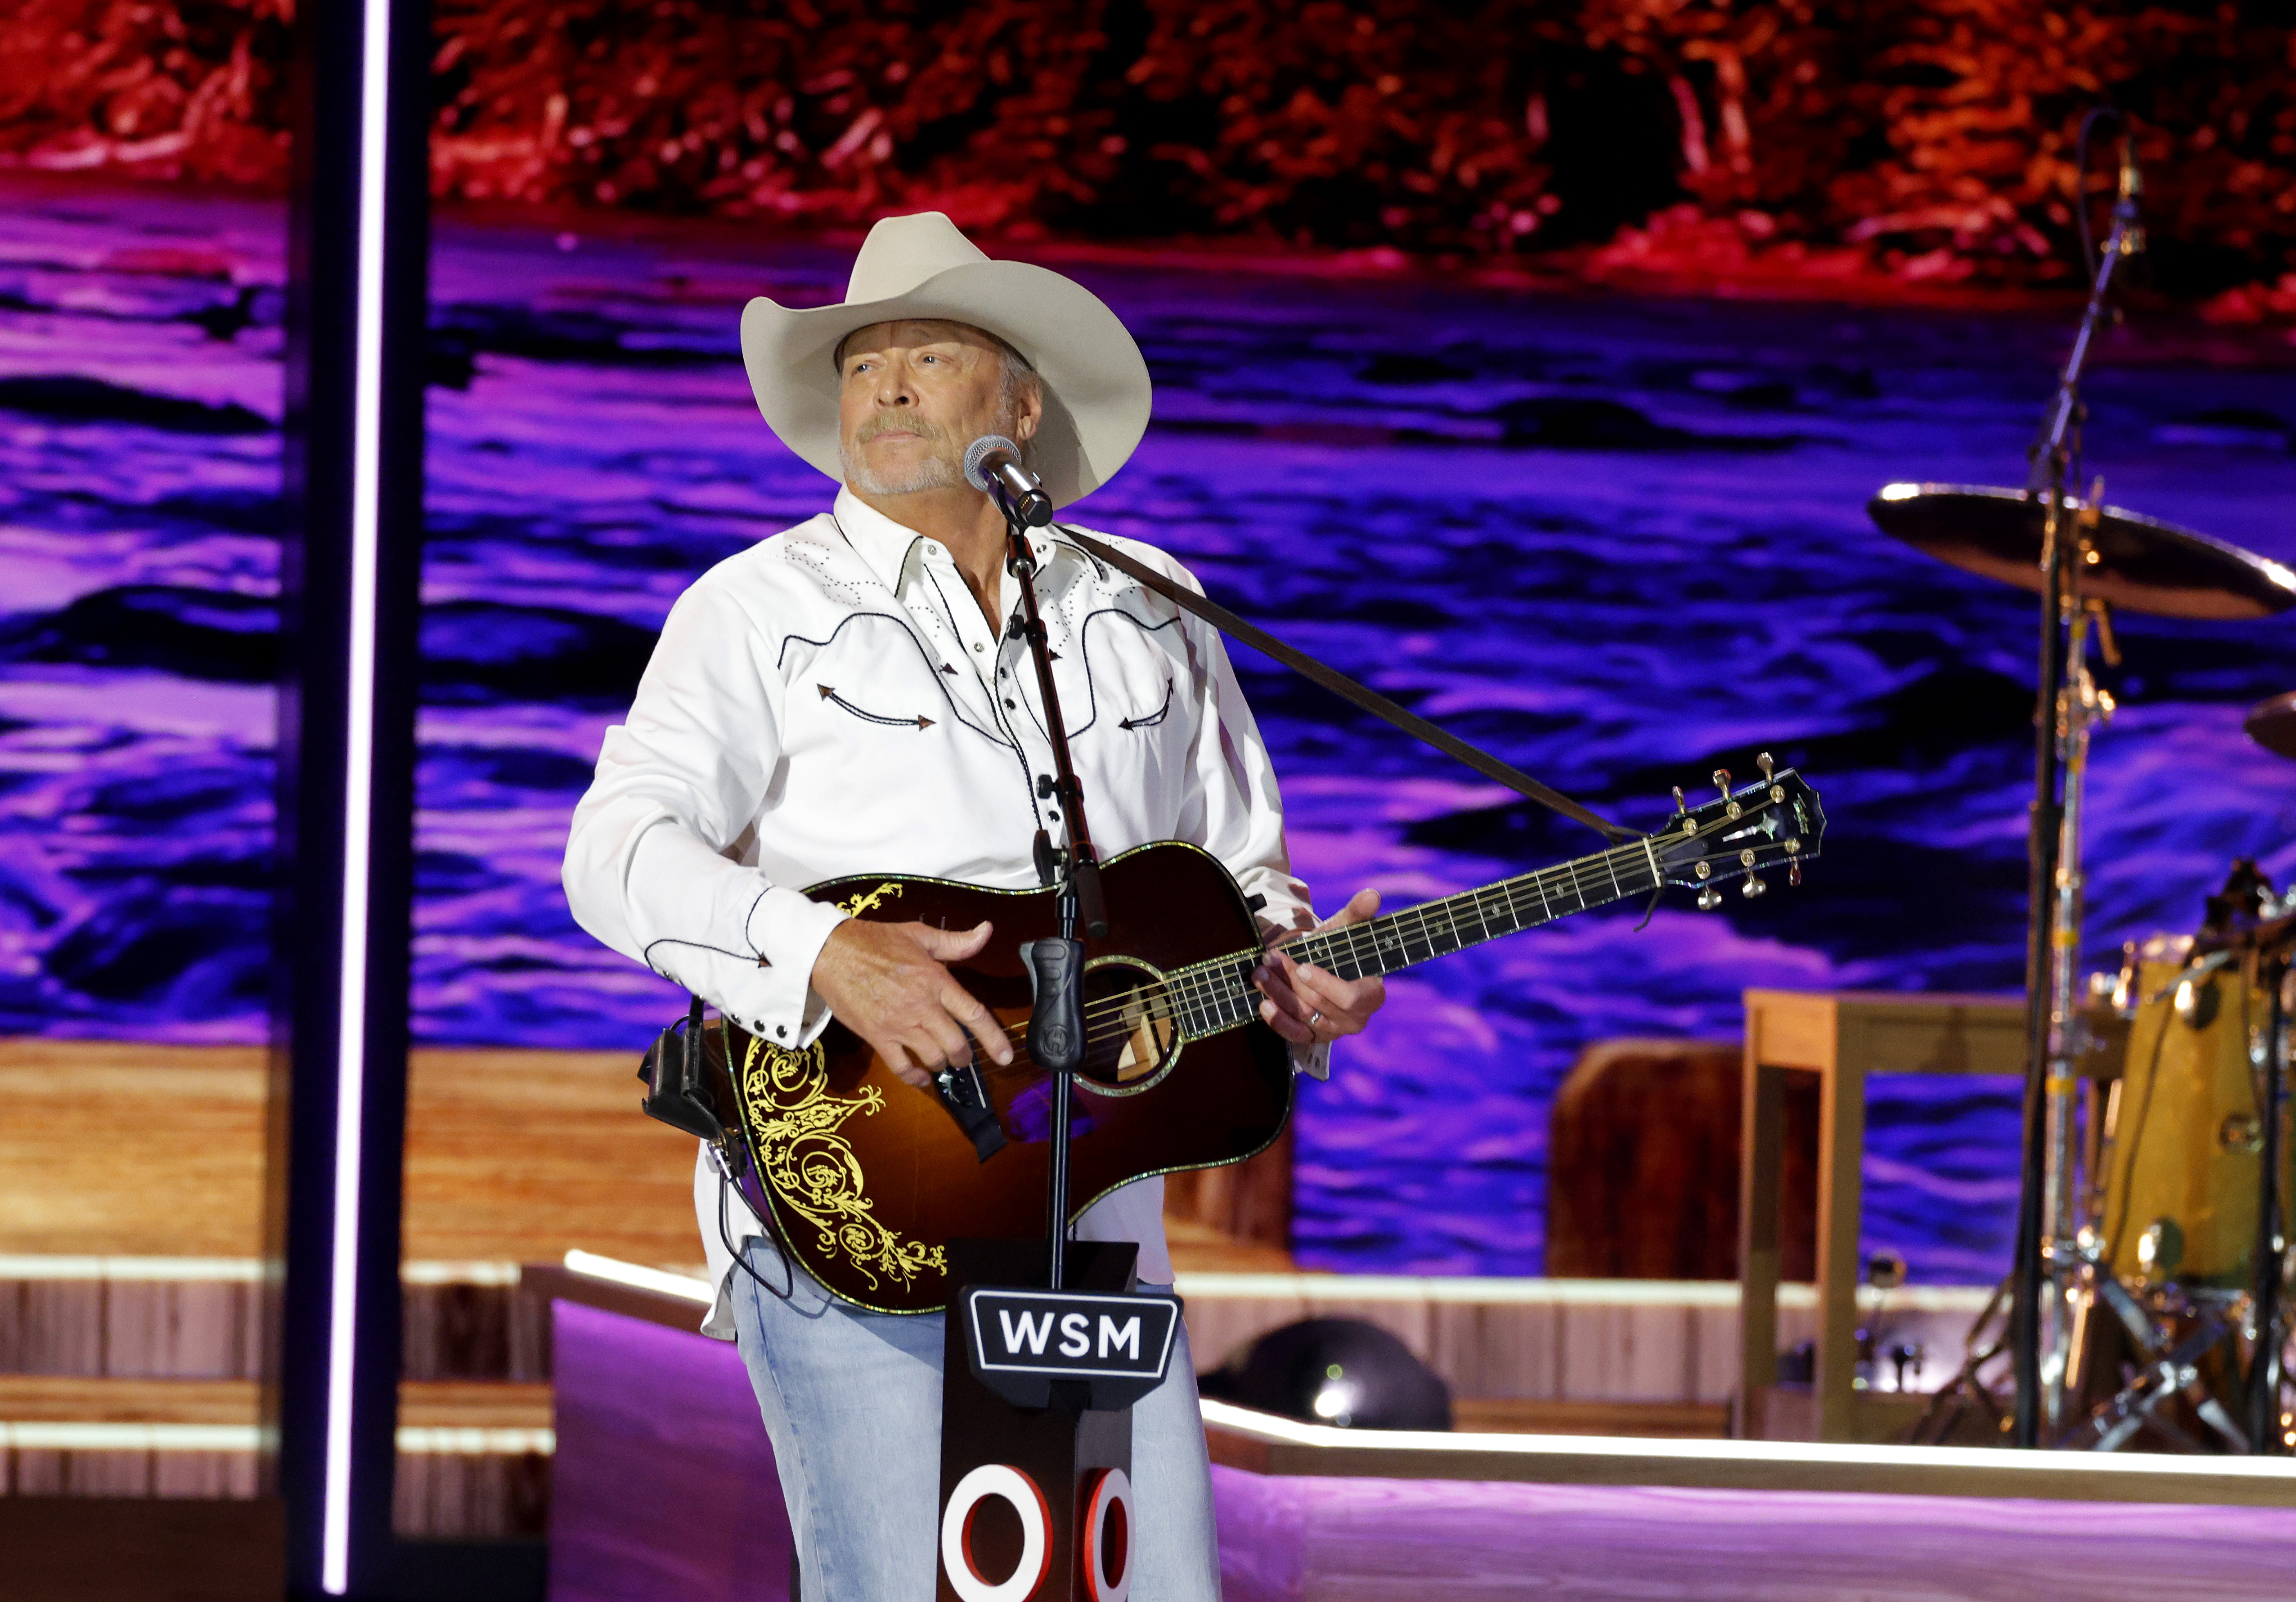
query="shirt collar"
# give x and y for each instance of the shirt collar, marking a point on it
(886, 546)
(882, 543)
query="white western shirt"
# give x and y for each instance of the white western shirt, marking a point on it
(831, 702)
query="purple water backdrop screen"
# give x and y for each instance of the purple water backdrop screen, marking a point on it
(1621, 542)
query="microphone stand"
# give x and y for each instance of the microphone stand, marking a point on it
(2052, 936)
(1056, 1036)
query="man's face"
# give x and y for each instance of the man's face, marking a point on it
(913, 396)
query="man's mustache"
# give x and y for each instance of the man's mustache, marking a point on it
(922, 428)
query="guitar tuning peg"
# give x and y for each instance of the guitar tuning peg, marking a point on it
(1709, 898)
(1722, 782)
(1680, 805)
(1794, 873)
(1754, 887)
(1764, 763)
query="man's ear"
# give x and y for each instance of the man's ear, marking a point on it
(1032, 411)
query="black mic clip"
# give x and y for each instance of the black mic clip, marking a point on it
(1056, 1025)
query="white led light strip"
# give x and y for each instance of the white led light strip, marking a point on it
(638, 1277)
(1252, 1424)
(358, 783)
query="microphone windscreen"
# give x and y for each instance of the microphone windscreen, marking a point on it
(977, 455)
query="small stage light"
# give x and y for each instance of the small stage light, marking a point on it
(1335, 1371)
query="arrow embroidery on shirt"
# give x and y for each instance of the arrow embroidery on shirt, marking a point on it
(828, 693)
(1153, 717)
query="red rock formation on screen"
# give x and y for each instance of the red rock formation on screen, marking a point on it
(1928, 138)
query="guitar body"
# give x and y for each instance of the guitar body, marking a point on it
(865, 1179)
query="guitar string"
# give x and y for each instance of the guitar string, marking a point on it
(1209, 996)
(1582, 873)
(1198, 976)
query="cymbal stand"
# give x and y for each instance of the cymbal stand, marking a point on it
(2081, 707)
(2268, 1424)
(2052, 942)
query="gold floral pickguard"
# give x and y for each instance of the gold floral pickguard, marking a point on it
(812, 1170)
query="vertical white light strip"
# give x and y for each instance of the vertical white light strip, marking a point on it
(358, 783)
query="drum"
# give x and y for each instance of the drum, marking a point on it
(2183, 1172)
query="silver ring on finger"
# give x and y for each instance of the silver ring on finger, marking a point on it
(1316, 1018)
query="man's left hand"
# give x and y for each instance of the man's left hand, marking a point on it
(1306, 1005)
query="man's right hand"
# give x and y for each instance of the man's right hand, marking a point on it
(887, 983)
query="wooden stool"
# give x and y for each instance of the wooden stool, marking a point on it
(1842, 1037)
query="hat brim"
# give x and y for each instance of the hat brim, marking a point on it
(1097, 392)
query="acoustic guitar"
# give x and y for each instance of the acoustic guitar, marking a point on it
(864, 1179)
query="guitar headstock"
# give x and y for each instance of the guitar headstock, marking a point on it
(1740, 833)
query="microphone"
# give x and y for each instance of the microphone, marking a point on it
(992, 463)
(2132, 191)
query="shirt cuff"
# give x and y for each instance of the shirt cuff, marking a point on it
(787, 929)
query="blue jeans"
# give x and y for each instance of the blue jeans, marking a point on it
(852, 1402)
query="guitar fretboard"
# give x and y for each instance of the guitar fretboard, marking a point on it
(1208, 998)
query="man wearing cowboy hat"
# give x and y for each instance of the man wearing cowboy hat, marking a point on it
(844, 698)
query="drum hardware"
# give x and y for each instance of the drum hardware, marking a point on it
(2160, 1251)
(1885, 1272)
(1947, 1417)
(2131, 563)
(2167, 1373)
(2051, 942)
(2121, 560)
(2174, 1334)
(2082, 557)
(2214, 1014)
(2269, 1414)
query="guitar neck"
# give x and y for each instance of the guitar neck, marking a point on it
(1210, 997)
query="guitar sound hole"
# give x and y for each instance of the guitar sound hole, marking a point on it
(1129, 1032)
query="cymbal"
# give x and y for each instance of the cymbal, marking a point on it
(2136, 563)
(2272, 724)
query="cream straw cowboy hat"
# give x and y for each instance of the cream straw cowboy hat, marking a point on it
(1096, 388)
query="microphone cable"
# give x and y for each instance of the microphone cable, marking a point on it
(726, 1235)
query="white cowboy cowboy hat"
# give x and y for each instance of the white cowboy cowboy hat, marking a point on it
(1095, 383)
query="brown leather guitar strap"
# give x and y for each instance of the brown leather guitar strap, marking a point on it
(1220, 618)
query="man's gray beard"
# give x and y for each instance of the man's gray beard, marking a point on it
(936, 471)
(940, 471)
